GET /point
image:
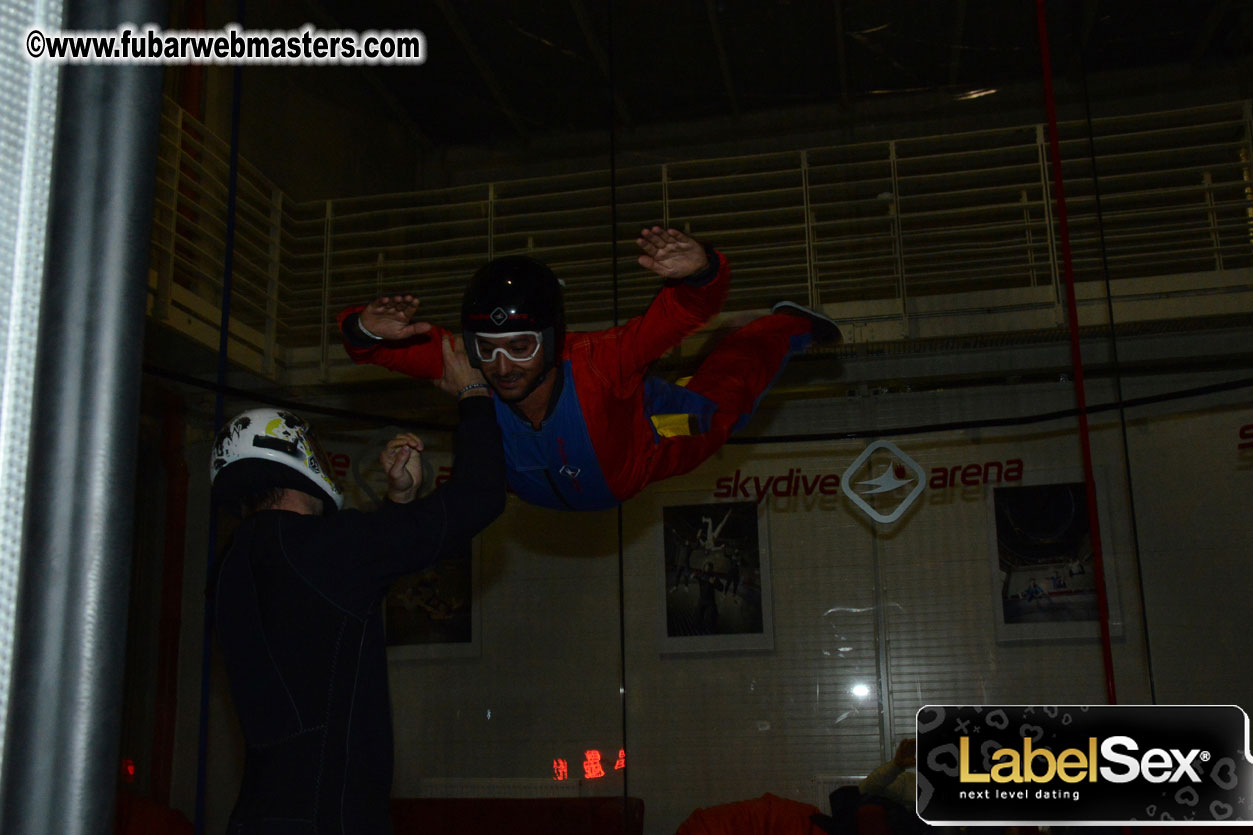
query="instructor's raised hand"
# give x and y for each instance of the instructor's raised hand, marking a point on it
(458, 373)
(402, 461)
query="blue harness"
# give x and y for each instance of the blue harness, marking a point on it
(554, 466)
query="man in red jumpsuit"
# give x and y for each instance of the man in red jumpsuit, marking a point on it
(584, 425)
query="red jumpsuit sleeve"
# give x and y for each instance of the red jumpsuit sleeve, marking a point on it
(676, 312)
(420, 357)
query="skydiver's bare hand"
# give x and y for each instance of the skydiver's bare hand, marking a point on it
(670, 253)
(389, 317)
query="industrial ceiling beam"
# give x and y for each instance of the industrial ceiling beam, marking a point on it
(601, 58)
(485, 70)
(1091, 13)
(327, 22)
(959, 35)
(841, 53)
(723, 62)
(1208, 29)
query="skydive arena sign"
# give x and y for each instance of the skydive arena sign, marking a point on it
(1070, 764)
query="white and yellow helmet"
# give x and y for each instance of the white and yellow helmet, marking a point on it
(277, 436)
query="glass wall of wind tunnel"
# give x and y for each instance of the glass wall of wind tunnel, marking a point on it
(531, 704)
(1161, 208)
(908, 515)
(353, 182)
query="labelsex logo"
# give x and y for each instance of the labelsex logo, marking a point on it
(891, 482)
(1090, 764)
(1157, 765)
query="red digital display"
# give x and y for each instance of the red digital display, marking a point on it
(591, 765)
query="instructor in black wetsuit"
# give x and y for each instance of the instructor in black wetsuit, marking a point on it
(298, 604)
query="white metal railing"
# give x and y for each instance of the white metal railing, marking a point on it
(895, 227)
(188, 246)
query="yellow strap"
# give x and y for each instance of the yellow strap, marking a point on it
(673, 425)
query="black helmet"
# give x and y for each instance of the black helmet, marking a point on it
(515, 293)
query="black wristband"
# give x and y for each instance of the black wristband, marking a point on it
(471, 387)
(699, 279)
(355, 336)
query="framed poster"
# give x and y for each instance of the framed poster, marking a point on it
(1043, 570)
(713, 572)
(435, 613)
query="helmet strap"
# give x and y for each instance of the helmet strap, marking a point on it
(549, 338)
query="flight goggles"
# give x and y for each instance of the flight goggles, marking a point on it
(518, 346)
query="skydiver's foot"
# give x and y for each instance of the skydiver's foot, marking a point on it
(825, 331)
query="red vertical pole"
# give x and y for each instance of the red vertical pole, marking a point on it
(1076, 357)
(191, 78)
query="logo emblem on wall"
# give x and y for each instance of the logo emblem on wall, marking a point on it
(860, 484)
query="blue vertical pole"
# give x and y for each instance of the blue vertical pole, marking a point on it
(228, 269)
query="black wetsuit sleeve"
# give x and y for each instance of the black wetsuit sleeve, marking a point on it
(351, 555)
(474, 494)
